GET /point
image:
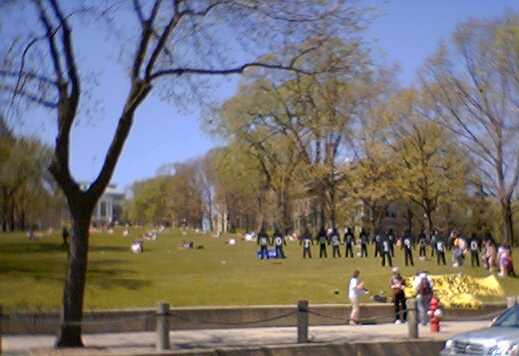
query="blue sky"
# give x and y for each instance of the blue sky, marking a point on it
(405, 33)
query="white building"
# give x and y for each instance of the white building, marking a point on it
(109, 205)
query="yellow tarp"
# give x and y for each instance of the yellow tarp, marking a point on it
(460, 291)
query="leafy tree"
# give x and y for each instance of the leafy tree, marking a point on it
(176, 39)
(473, 85)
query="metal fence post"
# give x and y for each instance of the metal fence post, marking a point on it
(1, 324)
(412, 319)
(302, 321)
(163, 327)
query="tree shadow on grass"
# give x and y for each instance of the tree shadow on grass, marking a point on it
(25, 247)
(103, 274)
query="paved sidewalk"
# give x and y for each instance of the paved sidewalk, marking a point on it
(141, 342)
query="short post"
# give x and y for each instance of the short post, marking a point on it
(163, 327)
(511, 301)
(412, 319)
(1, 324)
(302, 321)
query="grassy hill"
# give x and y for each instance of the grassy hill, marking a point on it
(31, 273)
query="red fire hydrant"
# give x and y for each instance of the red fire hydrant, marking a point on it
(435, 313)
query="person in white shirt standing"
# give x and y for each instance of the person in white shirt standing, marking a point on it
(356, 289)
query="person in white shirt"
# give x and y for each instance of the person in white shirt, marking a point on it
(356, 289)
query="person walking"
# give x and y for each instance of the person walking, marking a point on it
(474, 251)
(307, 242)
(363, 243)
(279, 241)
(407, 245)
(385, 250)
(263, 242)
(440, 252)
(356, 290)
(323, 239)
(336, 242)
(397, 285)
(349, 241)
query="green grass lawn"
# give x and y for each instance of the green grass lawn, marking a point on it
(32, 272)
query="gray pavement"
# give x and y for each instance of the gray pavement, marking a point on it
(144, 342)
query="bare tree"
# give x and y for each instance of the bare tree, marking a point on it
(176, 39)
(474, 85)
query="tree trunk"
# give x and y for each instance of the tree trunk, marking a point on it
(73, 293)
(409, 218)
(508, 224)
(429, 222)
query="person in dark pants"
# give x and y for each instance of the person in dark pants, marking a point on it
(323, 240)
(64, 236)
(422, 244)
(377, 241)
(474, 250)
(385, 251)
(397, 285)
(407, 245)
(364, 243)
(434, 241)
(391, 239)
(307, 242)
(263, 242)
(279, 241)
(335, 240)
(440, 252)
(349, 241)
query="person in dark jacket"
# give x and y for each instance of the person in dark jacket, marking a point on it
(377, 240)
(385, 251)
(349, 241)
(434, 240)
(322, 238)
(335, 241)
(263, 242)
(440, 251)
(407, 245)
(391, 239)
(422, 245)
(364, 238)
(474, 250)
(307, 243)
(65, 235)
(279, 242)
(397, 285)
